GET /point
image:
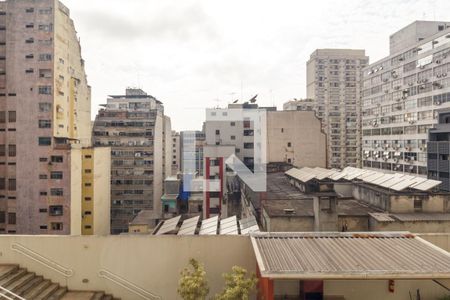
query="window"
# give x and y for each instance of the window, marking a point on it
(55, 210)
(2, 183)
(42, 159)
(29, 41)
(45, 90)
(43, 176)
(45, 11)
(233, 137)
(2, 150)
(418, 204)
(30, 70)
(56, 159)
(45, 124)
(57, 226)
(45, 107)
(45, 57)
(289, 144)
(43, 193)
(11, 116)
(88, 171)
(12, 150)
(2, 217)
(232, 123)
(56, 175)
(12, 184)
(43, 227)
(45, 141)
(2, 117)
(29, 25)
(29, 56)
(88, 184)
(88, 156)
(56, 192)
(217, 131)
(42, 210)
(29, 10)
(11, 218)
(87, 198)
(87, 213)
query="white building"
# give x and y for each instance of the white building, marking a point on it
(401, 96)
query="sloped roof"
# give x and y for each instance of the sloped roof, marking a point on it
(395, 255)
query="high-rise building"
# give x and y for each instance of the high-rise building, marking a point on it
(139, 134)
(401, 95)
(45, 110)
(176, 153)
(333, 81)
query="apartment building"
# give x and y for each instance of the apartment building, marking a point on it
(139, 134)
(401, 96)
(176, 153)
(44, 113)
(438, 150)
(333, 81)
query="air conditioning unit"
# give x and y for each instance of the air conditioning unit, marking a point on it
(439, 75)
(437, 103)
(444, 74)
(408, 148)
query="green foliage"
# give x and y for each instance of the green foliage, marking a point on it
(444, 298)
(193, 284)
(237, 285)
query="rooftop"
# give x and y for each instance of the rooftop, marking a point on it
(412, 217)
(395, 255)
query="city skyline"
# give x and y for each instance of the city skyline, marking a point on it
(201, 54)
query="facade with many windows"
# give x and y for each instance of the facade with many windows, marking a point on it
(402, 94)
(45, 110)
(139, 134)
(333, 82)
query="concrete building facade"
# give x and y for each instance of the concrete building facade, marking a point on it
(333, 81)
(44, 111)
(296, 138)
(401, 96)
(176, 153)
(438, 150)
(139, 134)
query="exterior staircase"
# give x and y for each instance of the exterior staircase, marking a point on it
(30, 286)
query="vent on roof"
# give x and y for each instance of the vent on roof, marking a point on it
(289, 211)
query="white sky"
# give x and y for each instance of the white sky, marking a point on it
(195, 54)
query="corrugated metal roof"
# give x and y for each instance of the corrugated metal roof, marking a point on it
(369, 255)
(394, 181)
(382, 217)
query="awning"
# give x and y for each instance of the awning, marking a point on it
(332, 256)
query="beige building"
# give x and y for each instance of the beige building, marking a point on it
(44, 117)
(333, 81)
(402, 94)
(296, 138)
(139, 134)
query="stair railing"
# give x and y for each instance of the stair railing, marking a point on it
(47, 262)
(127, 285)
(7, 294)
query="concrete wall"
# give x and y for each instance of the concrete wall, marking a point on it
(102, 194)
(295, 137)
(152, 263)
(420, 227)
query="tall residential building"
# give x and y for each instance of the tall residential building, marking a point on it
(45, 110)
(438, 150)
(333, 81)
(401, 96)
(139, 134)
(176, 153)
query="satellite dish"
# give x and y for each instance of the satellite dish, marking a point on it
(253, 100)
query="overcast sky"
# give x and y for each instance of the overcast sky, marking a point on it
(197, 54)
